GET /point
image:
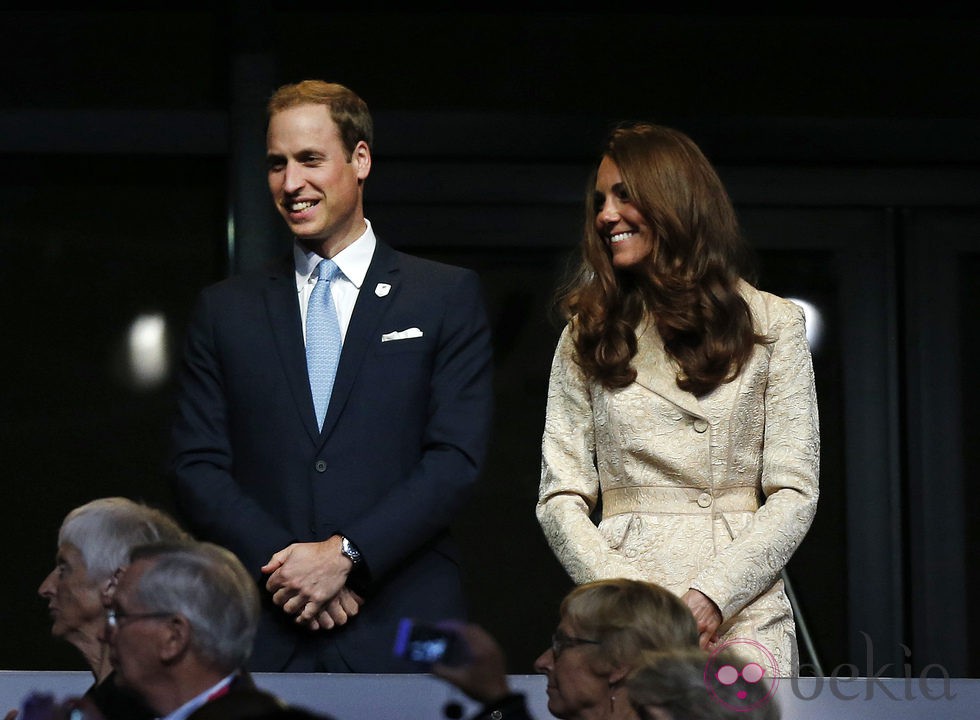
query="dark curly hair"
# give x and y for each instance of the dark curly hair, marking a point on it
(688, 284)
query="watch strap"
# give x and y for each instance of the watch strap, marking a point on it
(350, 550)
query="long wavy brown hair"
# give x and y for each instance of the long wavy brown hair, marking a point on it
(688, 284)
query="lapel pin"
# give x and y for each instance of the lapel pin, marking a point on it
(382, 289)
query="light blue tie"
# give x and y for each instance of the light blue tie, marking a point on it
(322, 338)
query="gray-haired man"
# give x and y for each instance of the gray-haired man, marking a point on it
(180, 624)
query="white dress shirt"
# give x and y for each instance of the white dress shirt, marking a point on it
(194, 703)
(353, 262)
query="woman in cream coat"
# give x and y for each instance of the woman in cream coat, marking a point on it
(681, 405)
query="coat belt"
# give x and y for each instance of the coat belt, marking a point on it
(673, 499)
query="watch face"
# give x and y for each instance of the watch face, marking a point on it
(349, 550)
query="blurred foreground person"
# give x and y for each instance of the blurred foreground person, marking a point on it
(605, 628)
(697, 685)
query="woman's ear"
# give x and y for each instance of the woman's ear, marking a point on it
(618, 674)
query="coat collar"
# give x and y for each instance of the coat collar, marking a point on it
(657, 371)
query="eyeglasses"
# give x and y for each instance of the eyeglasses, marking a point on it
(560, 641)
(114, 618)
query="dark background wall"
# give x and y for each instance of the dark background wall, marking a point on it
(132, 146)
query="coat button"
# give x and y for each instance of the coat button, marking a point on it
(320, 466)
(700, 425)
(704, 500)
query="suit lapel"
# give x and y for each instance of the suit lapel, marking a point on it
(283, 308)
(363, 331)
(656, 370)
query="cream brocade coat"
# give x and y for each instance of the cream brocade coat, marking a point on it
(712, 493)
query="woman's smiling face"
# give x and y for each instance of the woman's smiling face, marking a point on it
(618, 221)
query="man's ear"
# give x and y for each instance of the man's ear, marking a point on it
(361, 159)
(176, 638)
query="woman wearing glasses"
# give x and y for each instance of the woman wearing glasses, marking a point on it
(93, 544)
(604, 629)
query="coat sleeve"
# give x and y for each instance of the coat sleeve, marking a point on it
(202, 461)
(569, 487)
(789, 476)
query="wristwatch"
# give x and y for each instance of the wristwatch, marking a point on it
(348, 549)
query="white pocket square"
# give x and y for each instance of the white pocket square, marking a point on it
(402, 334)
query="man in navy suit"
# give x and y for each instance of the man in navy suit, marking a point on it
(345, 525)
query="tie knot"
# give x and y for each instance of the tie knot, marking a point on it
(327, 270)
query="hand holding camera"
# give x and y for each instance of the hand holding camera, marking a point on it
(464, 655)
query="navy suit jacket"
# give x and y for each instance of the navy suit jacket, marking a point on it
(403, 441)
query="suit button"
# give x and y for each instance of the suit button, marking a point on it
(704, 500)
(320, 466)
(700, 425)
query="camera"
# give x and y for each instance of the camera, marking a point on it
(426, 643)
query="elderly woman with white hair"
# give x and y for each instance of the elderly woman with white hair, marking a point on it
(94, 542)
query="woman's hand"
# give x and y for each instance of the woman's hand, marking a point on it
(706, 614)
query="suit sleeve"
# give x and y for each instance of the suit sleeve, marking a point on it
(454, 437)
(202, 462)
(790, 471)
(569, 487)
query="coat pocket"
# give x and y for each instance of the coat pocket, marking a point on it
(734, 522)
(407, 345)
(616, 529)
